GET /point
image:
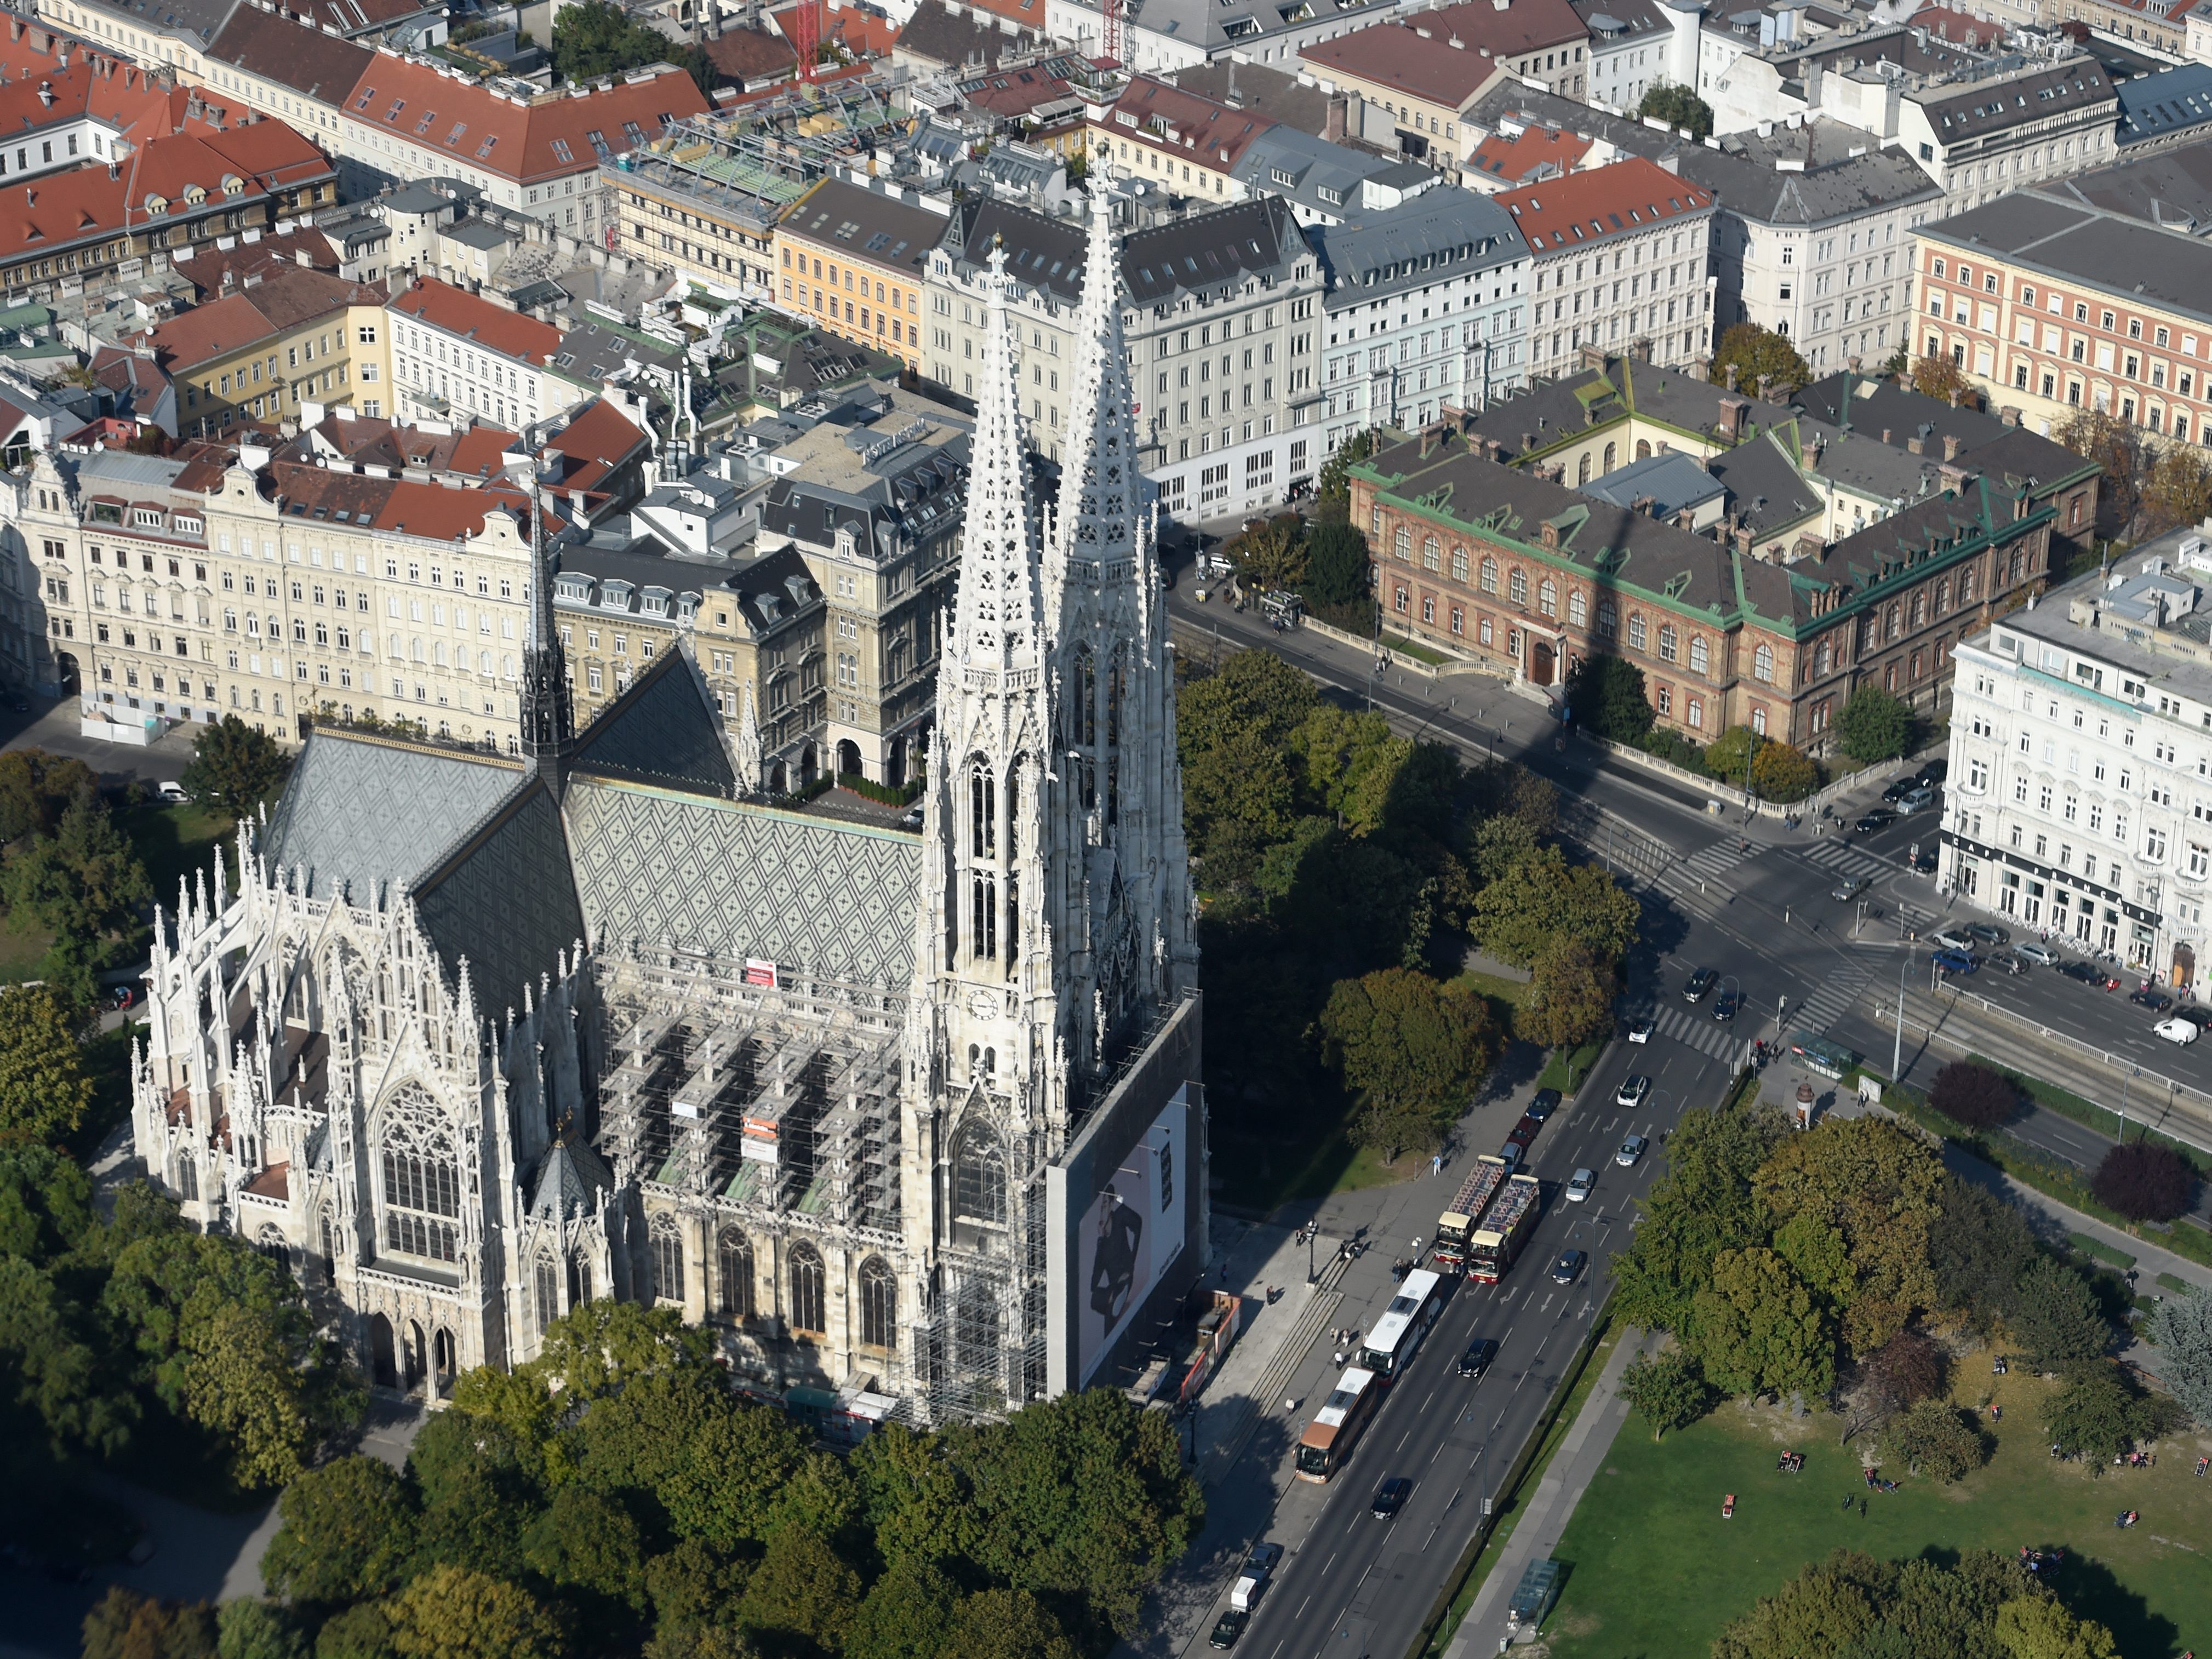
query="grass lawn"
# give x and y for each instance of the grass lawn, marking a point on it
(1654, 1572)
(176, 841)
(21, 949)
(1568, 1069)
(1416, 650)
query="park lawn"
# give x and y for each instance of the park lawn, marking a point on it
(22, 949)
(1654, 1572)
(176, 840)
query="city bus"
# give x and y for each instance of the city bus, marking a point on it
(1335, 1431)
(1397, 1335)
(1498, 1240)
(1455, 1224)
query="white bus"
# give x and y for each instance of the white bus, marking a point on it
(1397, 1335)
(1329, 1439)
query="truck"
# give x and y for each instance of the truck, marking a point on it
(1456, 1224)
(1494, 1245)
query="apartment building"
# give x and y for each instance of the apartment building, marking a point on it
(283, 65)
(2076, 799)
(1619, 254)
(703, 210)
(1424, 72)
(457, 355)
(1426, 310)
(264, 349)
(63, 105)
(1984, 138)
(1630, 41)
(851, 260)
(875, 511)
(1186, 144)
(1815, 238)
(2053, 305)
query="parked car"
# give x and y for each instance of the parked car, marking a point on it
(1935, 772)
(2177, 1030)
(2195, 1013)
(1569, 1268)
(2005, 962)
(1542, 1104)
(2087, 973)
(1915, 799)
(1632, 1091)
(2035, 951)
(1228, 1628)
(1476, 1360)
(1849, 889)
(1897, 789)
(1524, 1134)
(1511, 1152)
(1579, 1184)
(1258, 1572)
(1953, 939)
(1987, 934)
(1631, 1150)
(1880, 818)
(1700, 982)
(1641, 1026)
(1390, 1496)
(1956, 962)
(1921, 861)
(1726, 1005)
(170, 790)
(2150, 997)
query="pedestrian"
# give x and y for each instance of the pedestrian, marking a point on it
(1436, 1164)
(1863, 1509)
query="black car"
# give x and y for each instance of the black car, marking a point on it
(1569, 1268)
(1476, 1360)
(1899, 790)
(2198, 1016)
(1933, 773)
(1725, 1004)
(1880, 818)
(1390, 1496)
(2150, 997)
(2083, 972)
(1850, 889)
(1700, 982)
(1543, 1104)
(1229, 1627)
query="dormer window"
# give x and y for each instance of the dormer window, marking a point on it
(146, 518)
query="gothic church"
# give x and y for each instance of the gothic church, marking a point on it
(476, 1038)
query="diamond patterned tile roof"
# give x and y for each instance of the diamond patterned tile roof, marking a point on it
(662, 731)
(836, 899)
(569, 1181)
(504, 899)
(364, 812)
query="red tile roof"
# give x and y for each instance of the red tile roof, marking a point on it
(253, 254)
(594, 444)
(1168, 118)
(1956, 27)
(1513, 158)
(476, 318)
(754, 57)
(1625, 197)
(1439, 56)
(285, 300)
(546, 137)
(274, 1182)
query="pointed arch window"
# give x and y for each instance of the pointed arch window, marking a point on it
(667, 1260)
(979, 1176)
(878, 1304)
(806, 1297)
(982, 809)
(733, 1274)
(546, 1286)
(422, 1179)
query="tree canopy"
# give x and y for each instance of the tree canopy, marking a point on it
(1939, 377)
(1413, 1049)
(594, 39)
(2144, 1181)
(2182, 1329)
(1753, 351)
(1976, 1606)
(1874, 725)
(1271, 554)
(234, 766)
(1679, 107)
(45, 1090)
(1336, 564)
(1607, 695)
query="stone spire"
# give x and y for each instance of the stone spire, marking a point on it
(998, 616)
(548, 718)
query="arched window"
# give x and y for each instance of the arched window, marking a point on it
(979, 1176)
(1459, 565)
(982, 809)
(1636, 632)
(1895, 618)
(667, 1260)
(1547, 597)
(806, 1314)
(1609, 452)
(878, 1304)
(270, 1240)
(1428, 553)
(1402, 543)
(1516, 588)
(733, 1274)
(188, 1179)
(1919, 609)
(1698, 657)
(1577, 607)
(547, 1287)
(1762, 664)
(1582, 469)
(1667, 638)
(422, 1179)
(1823, 658)
(1489, 575)
(1643, 449)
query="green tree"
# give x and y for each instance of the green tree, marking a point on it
(125, 1624)
(1668, 1390)
(36, 787)
(1270, 555)
(692, 1587)
(596, 38)
(1753, 351)
(1570, 997)
(1874, 725)
(1783, 773)
(1702, 1205)
(1543, 898)
(248, 1627)
(1350, 762)
(1977, 1250)
(2176, 490)
(234, 766)
(44, 1091)
(2182, 1330)
(1938, 1441)
(913, 1498)
(1336, 564)
(1607, 695)
(363, 1632)
(54, 1368)
(1413, 1049)
(2037, 1627)
(1233, 731)
(2095, 1413)
(452, 1613)
(1679, 107)
(1758, 1329)
(239, 1381)
(907, 1613)
(802, 1596)
(1007, 1624)
(1082, 1500)
(345, 1531)
(84, 882)
(1828, 1608)
(1939, 377)
(45, 1198)
(1334, 487)
(2054, 1315)
(586, 1542)
(2116, 447)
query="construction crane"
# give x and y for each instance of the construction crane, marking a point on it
(806, 36)
(1109, 40)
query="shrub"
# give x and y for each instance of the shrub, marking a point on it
(1938, 1440)
(2096, 1414)
(1973, 1095)
(2144, 1182)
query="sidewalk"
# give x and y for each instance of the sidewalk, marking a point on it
(1250, 1381)
(1542, 1523)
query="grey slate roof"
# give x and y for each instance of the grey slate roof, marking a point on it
(2161, 105)
(1673, 481)
(660, 731)
(935, 35)
(1210, 252)
(2172, 188)
(505, 901)
(366, 813)
(2119, 256)
(1299, 104)
(1984, 108)
(1439, 234)
(1763, 485)
(570, 1178)
(1320, 176)
(1842, 175)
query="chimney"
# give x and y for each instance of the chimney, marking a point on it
(1913, 446)
(1334, 124)
(1640, 347)
(1732, 373)
(1645, 505)
(1429, 435)
(2009, 414)
(1951, 447)
(1764, 381)
(1955, 393)
(1743, 540)
(1884, 435)
(1528, 442)
(1855, 365)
